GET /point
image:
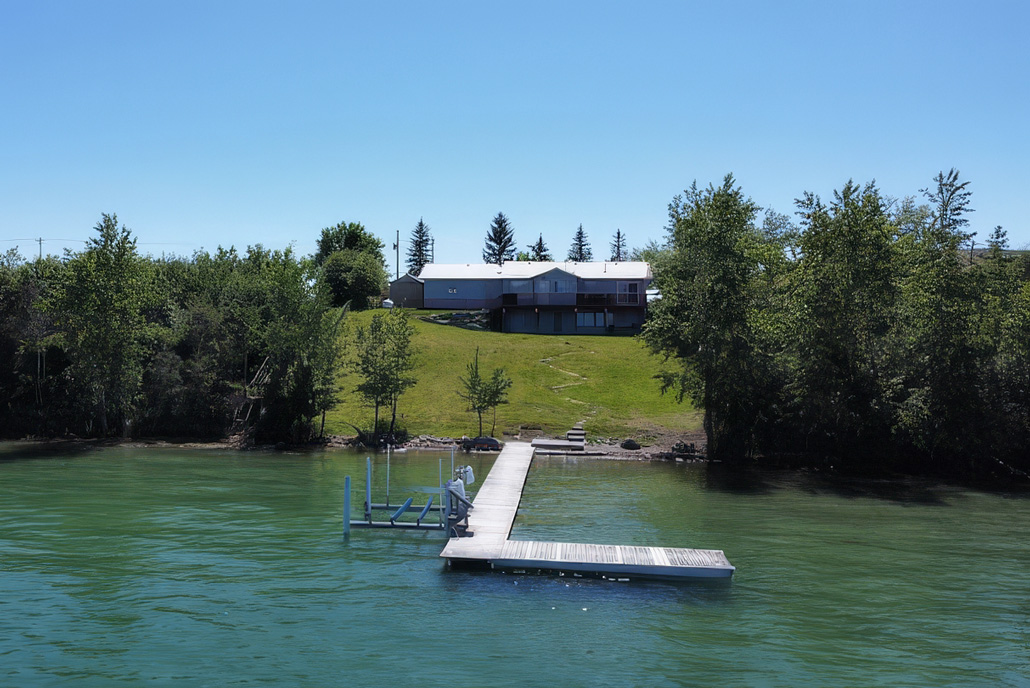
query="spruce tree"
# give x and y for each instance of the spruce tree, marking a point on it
(419, 248)
(500, 241)
(538, 250)
(618, 247)
(580, 249)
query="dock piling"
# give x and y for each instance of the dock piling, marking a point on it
(346, 508)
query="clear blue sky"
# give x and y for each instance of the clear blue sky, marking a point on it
(232, 123)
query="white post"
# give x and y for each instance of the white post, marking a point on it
(346, 507)
(388, 475)
(368, 488)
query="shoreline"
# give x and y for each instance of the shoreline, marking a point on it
(593, 450)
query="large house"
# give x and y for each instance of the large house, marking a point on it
(524, 296)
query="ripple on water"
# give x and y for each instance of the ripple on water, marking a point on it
(187, 568)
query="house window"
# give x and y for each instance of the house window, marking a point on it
(564, 287)
(589, 319)
(627, 293)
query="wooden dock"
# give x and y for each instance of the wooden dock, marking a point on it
(496, 505)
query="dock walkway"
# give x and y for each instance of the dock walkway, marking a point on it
(491, 521)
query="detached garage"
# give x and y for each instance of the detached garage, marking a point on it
(407, 292)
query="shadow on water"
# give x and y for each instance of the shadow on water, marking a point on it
(737, 480)
(488, 582)
(901, 490)
(754, 481)
(51, 449)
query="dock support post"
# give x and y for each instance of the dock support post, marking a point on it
(368, 488)
(346, 508)
(388, 475)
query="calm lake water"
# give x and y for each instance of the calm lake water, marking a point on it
(187, 568)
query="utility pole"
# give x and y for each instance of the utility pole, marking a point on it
(40, 370)
(397, 263)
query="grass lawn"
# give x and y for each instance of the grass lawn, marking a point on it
(558, 380)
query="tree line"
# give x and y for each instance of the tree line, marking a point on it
(108, 342)
(500, 245)
(863, 335)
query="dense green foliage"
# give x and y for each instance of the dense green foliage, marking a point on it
(347, 236)
(500, 241)
(352, 261)
(110, 343)
(354, 278)
(383, 361)
(865, 336)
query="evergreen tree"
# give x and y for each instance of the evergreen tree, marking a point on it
(580, 249)
(618, 246)
(500, 241)
(419, 248)
(538, 250)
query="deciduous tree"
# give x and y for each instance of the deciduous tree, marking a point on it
(383, 360)
(354, 277)
(348, 236)
(705, 319)
(483, 394)
(99, 310)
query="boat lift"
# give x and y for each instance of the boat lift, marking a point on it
(431, 516)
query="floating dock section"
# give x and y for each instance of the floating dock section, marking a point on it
(493, 515)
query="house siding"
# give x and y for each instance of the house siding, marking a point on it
(551, 301)
(407, 292)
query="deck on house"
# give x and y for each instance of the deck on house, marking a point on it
(491, 521)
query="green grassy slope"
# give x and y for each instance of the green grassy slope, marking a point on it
(558, 380)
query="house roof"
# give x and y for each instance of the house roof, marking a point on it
(407, 277)
(628, 270)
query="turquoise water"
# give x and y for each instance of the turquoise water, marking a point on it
(188, 568)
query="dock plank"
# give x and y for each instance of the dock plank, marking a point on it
(492, 517)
